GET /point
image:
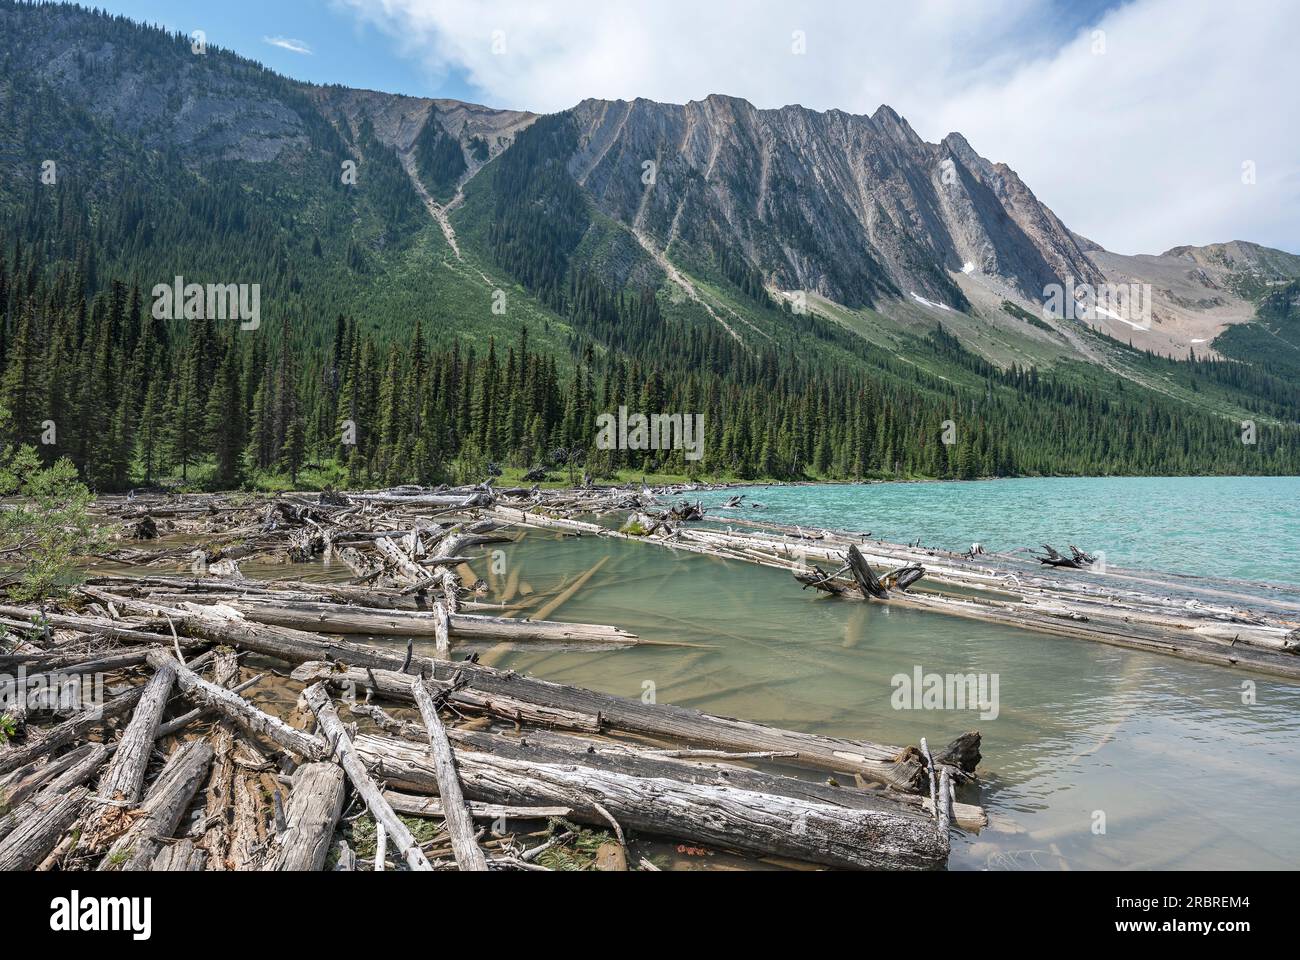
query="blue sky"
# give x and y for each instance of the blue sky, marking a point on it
(1134, 121)
(344, 48)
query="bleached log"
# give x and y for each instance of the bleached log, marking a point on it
(415, 806)
(315, 805)
(219, 793)
(762, 824)
(157, 817)
(397, 686)
(54, 814)
(69, 731)
(60, 775)
(184, 856)
(246, 716)
(71, 769)
(359, 621)
(409, 570)
(123, 780)
(460, 826)
(546, 747)
(341, 745)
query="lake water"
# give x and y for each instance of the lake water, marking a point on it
(1242, 527)
(1098, 758)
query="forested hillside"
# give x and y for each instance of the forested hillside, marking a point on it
(450, 364)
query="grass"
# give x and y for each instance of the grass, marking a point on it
(578, 852)
(362, 836)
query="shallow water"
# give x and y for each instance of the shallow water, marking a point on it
(1242, 527)
(1184, 774)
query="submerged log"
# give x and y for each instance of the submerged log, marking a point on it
(892, 766)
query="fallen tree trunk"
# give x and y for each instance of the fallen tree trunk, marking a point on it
(460, 826)
(415, 806)
(69, 731)
(397, 686)
(54, 813)
(219, 793)
(157, 817)
(71, 769)
(123, 781)
(341, 745)
(59, 776)
(361, 621)
(759, 823)
(184, 856)
(544, 747)
(315, 805)
(243, 713)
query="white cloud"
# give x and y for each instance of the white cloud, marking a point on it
(286, 43)
(1140, 148)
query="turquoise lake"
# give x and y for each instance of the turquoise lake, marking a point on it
(1241, 527)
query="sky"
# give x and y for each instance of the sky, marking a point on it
(1144, 124)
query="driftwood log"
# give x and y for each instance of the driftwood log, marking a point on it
(460, 825)
(342, 746)
(157, 817)
(315, 805)
(766, 824)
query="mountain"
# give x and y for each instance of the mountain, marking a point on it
(830, 287)
(855, 209)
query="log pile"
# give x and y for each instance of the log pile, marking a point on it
(249, 724)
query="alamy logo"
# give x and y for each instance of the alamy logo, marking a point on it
(73, 914)
(1128, 303)
(952, 691)
(215, 301)
(51, 691)
(659, 431)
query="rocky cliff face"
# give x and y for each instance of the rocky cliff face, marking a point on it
(163, 92)
(397, 120)
(854, 208)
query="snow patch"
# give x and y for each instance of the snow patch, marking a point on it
(930, 303)
(968, 268)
